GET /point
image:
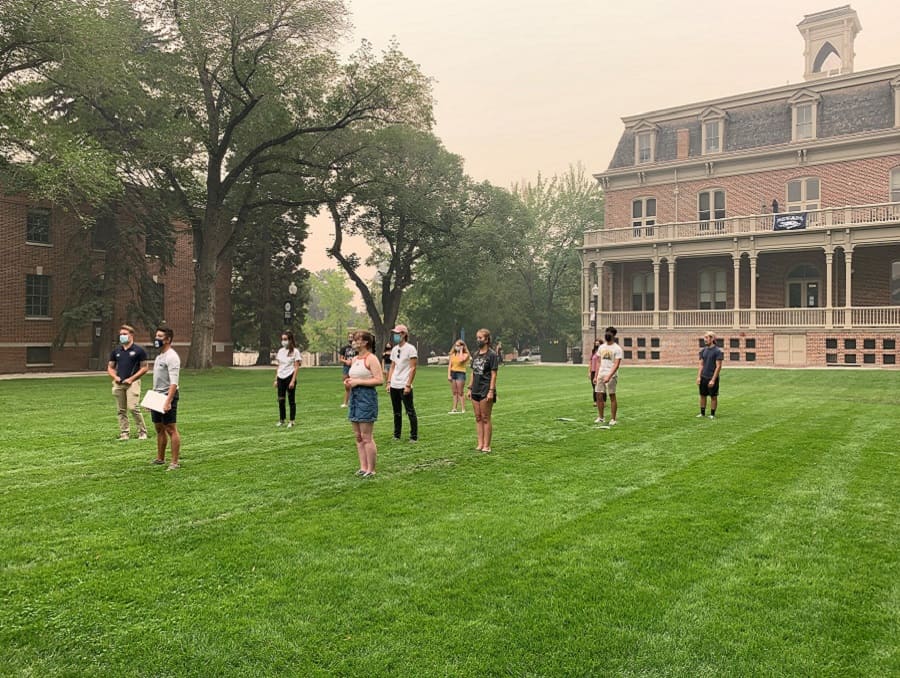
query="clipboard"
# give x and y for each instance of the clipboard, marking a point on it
(154, 400)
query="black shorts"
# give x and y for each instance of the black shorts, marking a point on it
(706, 389)
(478, 397)
(169, 417)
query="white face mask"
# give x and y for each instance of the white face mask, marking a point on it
(123, 338)
(284, 343)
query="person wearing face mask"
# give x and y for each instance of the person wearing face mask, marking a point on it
(483, 388)
(607, 378)
(711, 357)
(166, 372)
(288, 361)
(127, 364)
(593, 366)
(456, 375)
(404, 359)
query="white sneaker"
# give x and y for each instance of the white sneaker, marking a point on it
(142, 436)
(613, 422)
(290, 424)
(712, 416)
(122, 436)
(700, 416)
(598, 420)
(279, 424)
(343, 404)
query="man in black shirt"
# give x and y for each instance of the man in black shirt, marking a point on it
(346, 354)
(127, 364)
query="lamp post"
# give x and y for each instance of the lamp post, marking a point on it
(595, 292)
(289, 305)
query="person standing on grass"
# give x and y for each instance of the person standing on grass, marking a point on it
(593, 366)
(364, 376)
(404, 359)
(386, 358)
(607, 378)
(166, 371)
(345, 355)
(288, 361)
(456, 375)
(711, 357)
(483, 388)
(127, 364)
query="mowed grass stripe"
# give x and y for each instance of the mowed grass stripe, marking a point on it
(571, 550)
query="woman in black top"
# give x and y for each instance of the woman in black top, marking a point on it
(386, 358)
(483, 387)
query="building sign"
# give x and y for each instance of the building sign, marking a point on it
(790, 222)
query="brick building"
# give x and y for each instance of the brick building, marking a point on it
(42, 249)
(771, 218)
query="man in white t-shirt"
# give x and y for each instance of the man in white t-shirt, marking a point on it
(607, 378)
(404, 359)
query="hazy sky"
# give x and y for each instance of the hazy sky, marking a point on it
(528, 86)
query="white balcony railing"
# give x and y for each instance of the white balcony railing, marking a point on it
(829, 217)
(762, 318)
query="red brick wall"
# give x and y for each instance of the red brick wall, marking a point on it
(853, 182)
(59, 260)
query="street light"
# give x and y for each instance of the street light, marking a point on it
(595, 292)
(289, 305)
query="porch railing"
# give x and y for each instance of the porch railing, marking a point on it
(828, 217)
(767, 318)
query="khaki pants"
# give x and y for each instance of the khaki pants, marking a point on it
(128, 398)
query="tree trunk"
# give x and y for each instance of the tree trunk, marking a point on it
(207, 249)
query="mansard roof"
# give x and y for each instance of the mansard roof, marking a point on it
(847, 104)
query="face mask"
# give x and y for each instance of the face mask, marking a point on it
(157, 343)
(284, 343)
(482, 342)
(608, 337)
(396, 337)
(123, 338)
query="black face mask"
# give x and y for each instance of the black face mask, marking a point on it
(608, 337)
(157, 343)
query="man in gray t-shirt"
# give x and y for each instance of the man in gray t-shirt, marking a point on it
(166, 371)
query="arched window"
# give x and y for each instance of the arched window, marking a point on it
(713, 288)
(642, 292)
(803, 287)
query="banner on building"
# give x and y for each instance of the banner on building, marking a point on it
(790, 222)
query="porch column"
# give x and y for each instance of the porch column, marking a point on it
(656, 294)
(848, 286)
(829, 283)
(599, 289)
(753, 291)
(585, 296)
(670, 262)
(736, 316)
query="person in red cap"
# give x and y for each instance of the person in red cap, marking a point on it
(404, 358)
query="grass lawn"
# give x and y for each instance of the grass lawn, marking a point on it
(765, 543)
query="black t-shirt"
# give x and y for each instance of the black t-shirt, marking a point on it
(347, 352)
(710, 355)
(482, 366)
(128, 361)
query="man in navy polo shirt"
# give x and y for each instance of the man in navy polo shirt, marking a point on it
(708, 369)
(127, 364)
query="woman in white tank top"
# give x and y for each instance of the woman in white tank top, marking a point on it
(364, 375)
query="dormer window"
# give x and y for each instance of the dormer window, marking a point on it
(804, 113)
(644, 142)
(895, 86)
(712, 127)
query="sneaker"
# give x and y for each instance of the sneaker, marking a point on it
(700, 416)
(142, 436)
(360, 473)
(713, 417)
(613, 422)
(343, 405)
(368, 474)
(598, 420)
(279, 424)
(452, 412)
(173, 467)
(158, 462)
(290, 424)
(122, 436)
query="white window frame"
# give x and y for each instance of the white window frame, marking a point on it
(709, 117)
(804, 100)
(712, 289)
(895, 86)
(804, 281)
(805, 203)
(894, 194)
(713, 214)
(643, 223)
(895, 283)
(645, 133)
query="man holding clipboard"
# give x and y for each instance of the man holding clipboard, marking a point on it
(162, 400)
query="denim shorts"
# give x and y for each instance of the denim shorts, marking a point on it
(363, 404)
(457, 376)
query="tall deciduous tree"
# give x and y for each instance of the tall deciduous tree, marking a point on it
(207, 97)
(330, 313)
(410, 199)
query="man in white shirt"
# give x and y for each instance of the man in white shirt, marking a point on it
(166, 372)
(404, 358)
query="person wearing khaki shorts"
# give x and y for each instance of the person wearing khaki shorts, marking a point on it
(127, 364)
